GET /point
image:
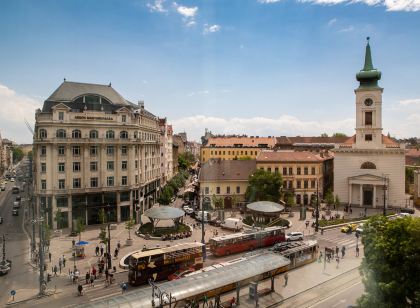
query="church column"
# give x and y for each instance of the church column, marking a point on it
(374, 196)
(361, 195)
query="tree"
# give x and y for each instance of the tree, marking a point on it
(218, 202)
(166, 195)
(391, 263)
(102, 216)
(129, 224)
(47, 233)
(338, 135)
(17, 154)
(337, 201)
(329, 198)
(80, 227)
(290, 199)
(59, 218)
(324, 135)
(264, 186)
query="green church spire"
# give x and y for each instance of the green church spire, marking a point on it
(368, 76)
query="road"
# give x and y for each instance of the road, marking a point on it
(17, 246)
(342, 299)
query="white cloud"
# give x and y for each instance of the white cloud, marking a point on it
(15, 109)
(332, 22)
(391, 5)
(406, 102)
(188, 13)
(211, 28)
(157, 6)
(203, 92)
(346, 29)
(261, 126)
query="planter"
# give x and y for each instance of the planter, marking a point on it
(129, 242)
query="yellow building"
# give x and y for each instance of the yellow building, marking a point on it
(301, 171)
(232, 148)
(226, 179)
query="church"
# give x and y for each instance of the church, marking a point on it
(369, 167)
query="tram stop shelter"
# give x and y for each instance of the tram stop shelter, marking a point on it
(265, 211)
(212, 284)
(158, 213)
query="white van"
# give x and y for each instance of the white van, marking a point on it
(199, 216)
(232, 224)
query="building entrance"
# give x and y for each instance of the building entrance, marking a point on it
(368, 196)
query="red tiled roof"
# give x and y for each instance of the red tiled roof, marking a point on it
(289, 156)
(244, 141)
(224, 170)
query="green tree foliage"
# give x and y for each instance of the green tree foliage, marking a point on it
(30, 155)
(391, 266)
(218, 202)
(166, 195)
(47, 233)
(103, 236)
(324, 135)
(17, 154)
(59, 218)
(289, 199)
(264, 186)
(129, 225)
(339, 135)
(409, 177)
(337, 201)
(185, 160)
(102, 216)
(329, 198)
(80, 227)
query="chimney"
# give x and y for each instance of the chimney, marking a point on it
(141, 104)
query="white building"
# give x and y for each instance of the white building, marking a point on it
(166, 151)
(369, 166)
(93, 149)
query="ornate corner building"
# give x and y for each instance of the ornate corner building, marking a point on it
(369, 168)
(94, 149)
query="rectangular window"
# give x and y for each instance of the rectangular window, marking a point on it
(61, 167)
(368, 118)
(246, 152)
(124, 165)
(298, 171)
(123, 118)
(305, 184)
(276, 170)
(136, 164)
(93, 150)
(43, 150)
(269, 169)
(284, 171)
(368, 137)
(305, 171)
(228, 153)
(93, 182)
(313, 170)
(136, 179)
(110, 150)
(62, 201)
(290, 184)
(93, 166)
(43, 184)
(124, 150)
(228, 190)
(61, 116)
(238, 189)
(76, 166)
(211, 152)
(76, 183)
(218, 190)
(124, 181)
(109, 165)
(43, 167)
(290, 171)
(298, 184)
(206, 190)
(110, 181)
(284, 184)
(76, 150)
(313, 184)
(61, 184)
(61, 150)
(223, 152)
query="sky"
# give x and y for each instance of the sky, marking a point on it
(256, 67)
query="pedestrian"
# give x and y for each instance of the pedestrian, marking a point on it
(307, 224)
(94, 272)
(337, 250)
(87, 277)
(320, 257)
(357, 250)
(97, 250)
(60, 262)
(73, 242)
(116, 253)
(286, 278)
(123, 287)
(119, 245)
(106, 274)
(92, 284)
(59, 266)
(80, 289)
(49, 256)
(102, 250)
(343, 251)
(337, 259)
(64, 261)
(55, 270)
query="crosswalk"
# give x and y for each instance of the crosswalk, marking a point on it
(340, 239)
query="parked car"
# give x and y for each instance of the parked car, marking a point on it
(349, 228)
(3, 187)
(294, 236)
(215, 222)
(15, 212)
(359, 228)
(407, 210)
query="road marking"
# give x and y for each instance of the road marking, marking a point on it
(335, 294)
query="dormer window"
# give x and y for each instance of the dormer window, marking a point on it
(61, 116)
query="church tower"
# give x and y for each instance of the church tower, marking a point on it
(368, 106)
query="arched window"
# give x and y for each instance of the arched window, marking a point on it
(135, 135)
(368, 165)
(42, 133)
(123, 135)
(298, 199)
(110, 134)
(61, 133)
(76, 134)
(93, 134)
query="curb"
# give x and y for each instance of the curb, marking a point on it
(50, 293)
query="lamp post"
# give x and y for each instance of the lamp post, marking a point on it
(109, 238)
(317, 207)
(42, 284)
(385, 189)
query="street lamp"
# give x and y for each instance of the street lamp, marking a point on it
(42, 284)
(385, 189)
(109, 238)
(317, 207)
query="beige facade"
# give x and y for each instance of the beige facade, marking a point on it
(166, 152)
(92, 149)
(417, 187)
(303, 173)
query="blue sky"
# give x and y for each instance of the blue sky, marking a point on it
(262, 67)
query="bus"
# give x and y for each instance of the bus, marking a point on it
(247, 240)
(158, 264)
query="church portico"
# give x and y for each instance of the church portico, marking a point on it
(367, 190)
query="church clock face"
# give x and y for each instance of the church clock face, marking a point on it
(368, 102)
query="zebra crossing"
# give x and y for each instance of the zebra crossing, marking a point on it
(334, 238)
